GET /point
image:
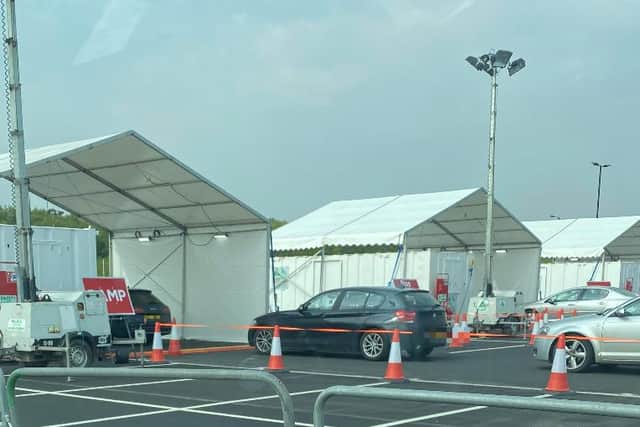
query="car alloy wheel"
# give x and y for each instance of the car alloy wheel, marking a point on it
(372, 346)
(263, 341)
(576, 354)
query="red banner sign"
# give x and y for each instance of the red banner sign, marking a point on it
(116, 292)
(8, 288)
(405, 283)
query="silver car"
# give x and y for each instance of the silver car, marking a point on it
(584, 299)
(610, 337)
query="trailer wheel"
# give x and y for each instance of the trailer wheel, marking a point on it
(80, 354)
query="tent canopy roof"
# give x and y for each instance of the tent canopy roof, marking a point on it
(588, 237)
(125, 183)
(452, 220)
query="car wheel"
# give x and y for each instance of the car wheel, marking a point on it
(374, 346)
(263, 340)
(579, 354)
(80, 354)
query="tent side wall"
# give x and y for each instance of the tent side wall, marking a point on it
(226, 279)
(517, 269)
(560, 275)
(343, 270)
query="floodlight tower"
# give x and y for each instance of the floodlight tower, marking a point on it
(492, 63)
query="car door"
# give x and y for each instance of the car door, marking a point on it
(566, 300)
(623, 326)
(312, 319)
(349, 314)
(591, 301)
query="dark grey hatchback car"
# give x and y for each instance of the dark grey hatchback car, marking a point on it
(353, 320)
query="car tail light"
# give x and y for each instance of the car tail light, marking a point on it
(138, 310)
(406, 316)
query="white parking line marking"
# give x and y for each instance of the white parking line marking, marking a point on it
(420, 380)
(488, 349)
(431, 416)
(102, 387)
(443, 414)
(196, 409)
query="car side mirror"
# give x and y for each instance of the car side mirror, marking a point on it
(621, 313)
(550, 301)
(302, 308)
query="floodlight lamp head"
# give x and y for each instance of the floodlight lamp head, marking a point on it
(501, 58)
(516, 66)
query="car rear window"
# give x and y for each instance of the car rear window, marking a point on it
(418, 299)
(626, 293)
(140, 299)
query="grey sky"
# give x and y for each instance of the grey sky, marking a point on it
(290, 104)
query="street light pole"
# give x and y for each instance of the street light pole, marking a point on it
(488, 246)
(600, 167)
(492, 63)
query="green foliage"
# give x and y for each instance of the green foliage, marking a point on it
(56, 218)
(275, 223)
(341, 250)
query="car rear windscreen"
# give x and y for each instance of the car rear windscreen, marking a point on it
(141, 299)
(418, 299)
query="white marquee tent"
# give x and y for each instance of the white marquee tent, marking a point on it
(583, 249)
(440, 233)
(202, 251)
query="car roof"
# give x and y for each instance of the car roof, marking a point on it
(377, 288)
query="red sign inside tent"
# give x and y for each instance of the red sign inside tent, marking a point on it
(115, 290)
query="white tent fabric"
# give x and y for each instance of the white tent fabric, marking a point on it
(588, 237)
(124, 183)
(450, 220)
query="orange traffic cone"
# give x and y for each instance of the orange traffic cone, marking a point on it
(560, 314)
(455, 342)
(276, 363)
(559, 381)
(574, 312)
(466, 334)
(536, 328)
(394, 367)
(157, 354)
(174, 342)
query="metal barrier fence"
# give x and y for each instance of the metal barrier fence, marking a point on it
(512, 402)
(288, 415)
(5, 421)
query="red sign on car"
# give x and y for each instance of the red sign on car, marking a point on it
(406, 283)
(116, 292)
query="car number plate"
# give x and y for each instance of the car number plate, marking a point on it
(436, 335)
(151, 317)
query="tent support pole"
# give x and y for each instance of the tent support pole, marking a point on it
(271, 253)
(183, 302)
(322, 269)
(602, 271)
(405, 255)
(110, 238)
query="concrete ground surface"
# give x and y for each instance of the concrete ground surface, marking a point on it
(503, 367)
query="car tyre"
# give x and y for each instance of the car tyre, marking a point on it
(374, 346)
(579, 354)
(80, 354)
(262, 341)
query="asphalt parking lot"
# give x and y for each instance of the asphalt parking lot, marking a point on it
(488, 366)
